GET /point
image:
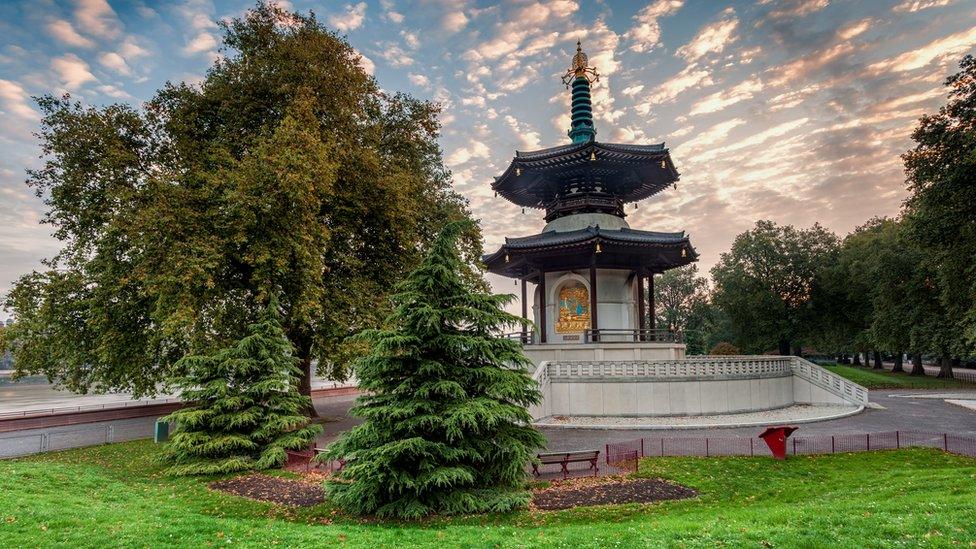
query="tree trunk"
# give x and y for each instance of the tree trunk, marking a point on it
(857, 359)
(305, 385)
(945, 368)
(797, 350)
(878, 364)
(784, 347)
(899, 365)
(917, 368)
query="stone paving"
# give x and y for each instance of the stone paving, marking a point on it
(900, 410)
(798, 413)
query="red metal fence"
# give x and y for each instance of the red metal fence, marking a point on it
(797, 445)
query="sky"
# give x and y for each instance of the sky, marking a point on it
(794, 110)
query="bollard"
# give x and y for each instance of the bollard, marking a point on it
(775, 438)
(161, 434)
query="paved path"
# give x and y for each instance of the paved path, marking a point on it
(901, 412)
(72, 436)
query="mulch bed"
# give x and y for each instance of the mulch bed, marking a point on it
(607, 491)
(561, 494)
(276, 490)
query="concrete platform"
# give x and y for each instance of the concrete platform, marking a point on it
(798, 413)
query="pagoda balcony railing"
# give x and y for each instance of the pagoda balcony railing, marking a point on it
(566, 206)
(615, 335)
(526, 338)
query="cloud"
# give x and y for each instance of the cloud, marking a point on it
(72, 71)
(689, 77)
(727, 97)
(912, 6)
(711, 136)
(854, 29)
(395, 56)
(13, 99)
(475, 149)
(96, 17)
(795, 9)
(528, 139)
(419, 80)
(63, 31)
(115, 92)
(454, 21)
(633, 90)
(917, 58)
(712, 38)
(201, 43)
(366, 63)
(389, 13)
(352, 19)
(646, 34)
(198, 17)
(115, 62)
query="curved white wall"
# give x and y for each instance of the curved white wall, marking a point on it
(576, 222)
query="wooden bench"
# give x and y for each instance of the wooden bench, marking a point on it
(565, 458)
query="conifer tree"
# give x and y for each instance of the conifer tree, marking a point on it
(245, 408)
(446, 427)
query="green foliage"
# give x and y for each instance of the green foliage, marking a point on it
(446, 429)
(879, 379)
(244, 407)
(941, 211)
(676, 294)
(724, 348)
(286, 172)
(766, 282)
(112, 495)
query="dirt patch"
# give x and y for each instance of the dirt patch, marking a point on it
(607, 491)
(273, 489)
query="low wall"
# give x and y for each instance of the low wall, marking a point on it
(590, 352)
(693, 386)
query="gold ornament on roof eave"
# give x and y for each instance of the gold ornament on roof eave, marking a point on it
(579, 68)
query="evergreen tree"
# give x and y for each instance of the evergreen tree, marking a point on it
(446, 427)
(245, 406)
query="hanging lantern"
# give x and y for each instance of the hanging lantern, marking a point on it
(523, 211)
(664, 164)
(518, 172)
(592, 156)
(675, 185)
(598, 248)
(684, 252)
(506, 258)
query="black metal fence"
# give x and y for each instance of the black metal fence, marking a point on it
(621, 452)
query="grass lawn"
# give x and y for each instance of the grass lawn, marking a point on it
(881, 379)
(112, 495)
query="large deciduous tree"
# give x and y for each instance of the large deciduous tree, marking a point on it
(446, 428)
(941, 211)
(286, 172)
(676, 294)
(765, 284)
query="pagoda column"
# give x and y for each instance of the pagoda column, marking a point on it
(640, 305)
(543, 328)
(525, 314)
(650, 302)
(594, 325)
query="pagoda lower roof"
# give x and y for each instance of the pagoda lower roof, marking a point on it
(624, 248)
(629, 172)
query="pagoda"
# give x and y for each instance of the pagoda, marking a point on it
(594, 274)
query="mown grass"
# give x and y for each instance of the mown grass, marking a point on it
(882, 379)
(113, 495)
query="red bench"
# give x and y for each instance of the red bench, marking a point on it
(565, 458)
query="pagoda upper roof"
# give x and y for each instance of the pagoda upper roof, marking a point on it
(628, 172)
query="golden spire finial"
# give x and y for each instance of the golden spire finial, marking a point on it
(580, 68)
